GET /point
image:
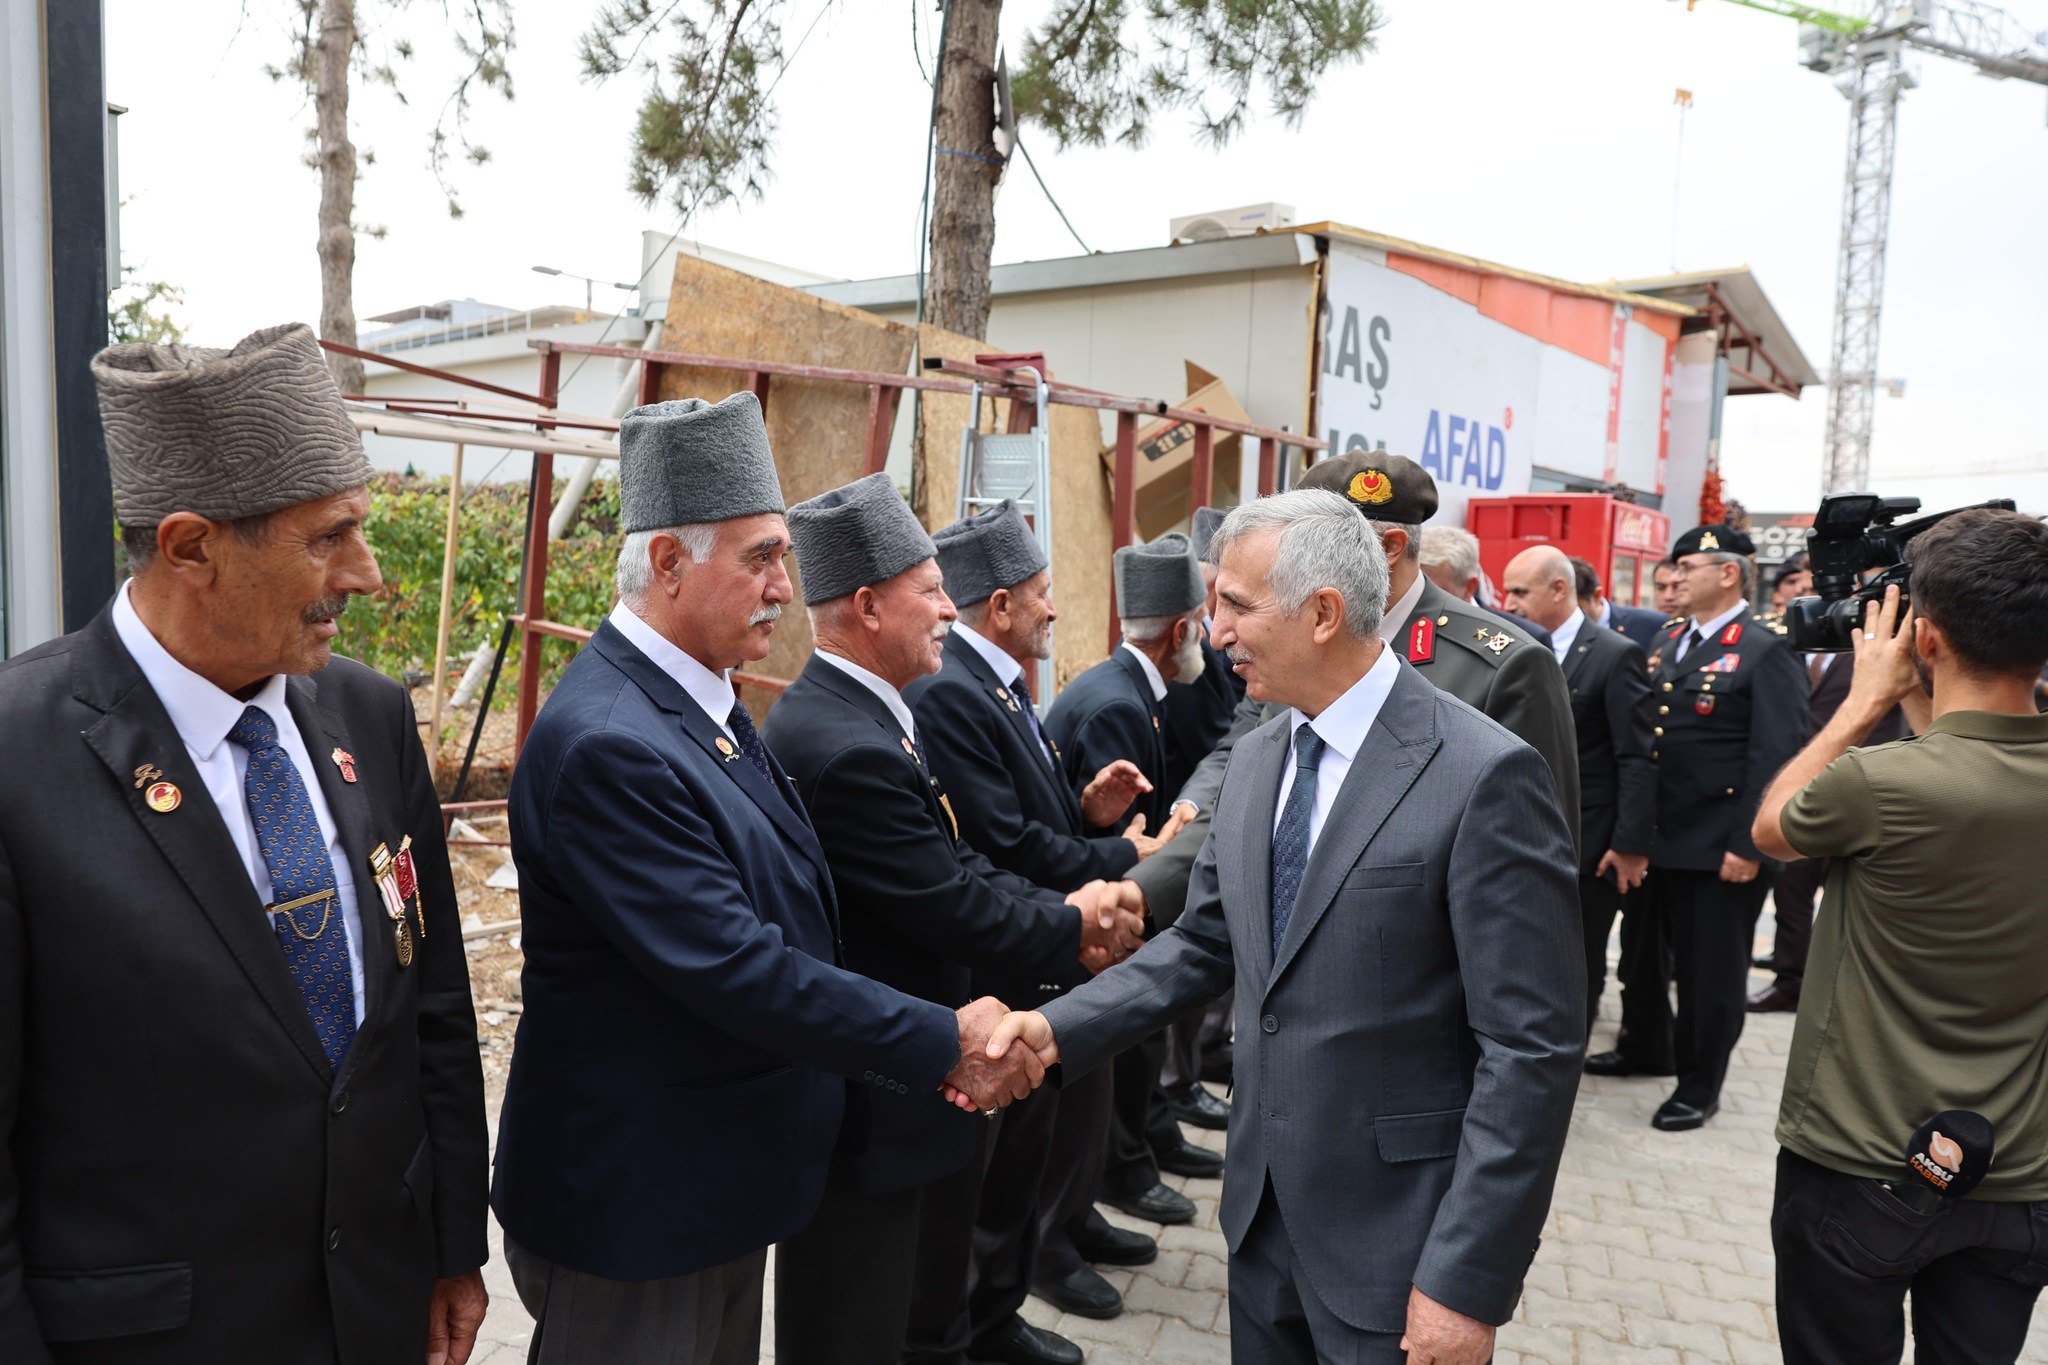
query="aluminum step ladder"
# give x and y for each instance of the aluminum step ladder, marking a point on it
(995, 465)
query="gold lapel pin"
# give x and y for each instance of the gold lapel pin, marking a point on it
(147, 774)
(163, 797)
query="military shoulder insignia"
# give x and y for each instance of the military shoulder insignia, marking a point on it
(1422, 640)
(1779, 627)
(1499, 643)
(1733, 634)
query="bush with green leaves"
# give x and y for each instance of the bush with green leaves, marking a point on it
(393, 632)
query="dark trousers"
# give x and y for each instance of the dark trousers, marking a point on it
(1793, 891)
(1600, 900)
(1710, 925)
(1187, 1040)
(977, 1237)
(1276, 1317)
(1073, 1170)
(1850, 1253)
(843, 1284)
(712, 1317)
(1140, 1120)
(1644, 976)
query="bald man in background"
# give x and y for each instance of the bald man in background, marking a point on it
(1609, 681)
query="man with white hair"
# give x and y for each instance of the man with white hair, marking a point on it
(1449, 558)
(693, 1042)
(1388, 881)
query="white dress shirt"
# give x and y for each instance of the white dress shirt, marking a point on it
(1709, 629)
(203, 715)
(712, 691)
(1007, 670)
(1564, 636)
(1152, 678)
(1342, 727)
(891, 698)
(1398, 612)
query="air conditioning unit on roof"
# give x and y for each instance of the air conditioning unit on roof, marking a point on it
(1241, 222)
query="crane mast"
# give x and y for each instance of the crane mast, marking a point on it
(1865, 54)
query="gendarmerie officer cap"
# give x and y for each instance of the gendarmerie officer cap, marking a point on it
(1389, 488)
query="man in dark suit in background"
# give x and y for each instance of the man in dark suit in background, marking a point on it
(1115, 711)
(1388, 878)
(1638, 623)
(919, 909)
(1798, 883)
(1610, 688)
(1198, 716)
(1731, 711)
(693, 1046)
(978, 726)
(241, 1111)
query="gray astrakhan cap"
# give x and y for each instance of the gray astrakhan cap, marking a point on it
(854, 537)
(225, 432)
(989, 551)
(1159, 579)
(686, 462)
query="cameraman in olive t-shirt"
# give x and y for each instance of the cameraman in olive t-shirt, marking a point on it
(1927, 983)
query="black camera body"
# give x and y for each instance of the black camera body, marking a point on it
(1854, 533)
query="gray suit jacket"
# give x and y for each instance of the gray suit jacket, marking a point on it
(1406, 1065)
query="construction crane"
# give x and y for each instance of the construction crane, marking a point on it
(1865, 55)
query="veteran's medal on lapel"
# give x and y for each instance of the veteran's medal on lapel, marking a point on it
(409, 884)
(385, 869)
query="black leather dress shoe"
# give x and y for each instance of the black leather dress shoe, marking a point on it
(1198, 1105)
(1675, 1116)
(1017, 1342)
(1117, 1246)
(1621, 1064)
(1190, 1160)
(1774, 999)
(1156, 1205)
(1216, 1064)
(1081, 1292)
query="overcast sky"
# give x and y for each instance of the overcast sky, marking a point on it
(1542, 136)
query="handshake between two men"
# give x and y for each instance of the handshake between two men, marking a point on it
(991, 1071)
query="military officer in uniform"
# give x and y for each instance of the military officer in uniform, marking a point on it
(1478, 657)
(1730, 698)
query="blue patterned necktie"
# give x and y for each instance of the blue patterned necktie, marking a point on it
(305, 908)
(1023, 694)
(742, 726)
(1290, 840)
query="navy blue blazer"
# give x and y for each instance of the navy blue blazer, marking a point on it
(1638, 623)
(1197, 716)
(1106, 714)
(675, 1093)
(920, 907)
(1015, 808)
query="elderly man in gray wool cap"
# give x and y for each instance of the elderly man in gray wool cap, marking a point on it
(919, 909)
(241, 1108)
(691, 1031)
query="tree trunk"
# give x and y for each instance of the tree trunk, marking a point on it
(964, 186)
(337, 242)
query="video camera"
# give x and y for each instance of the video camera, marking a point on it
(1852, 534)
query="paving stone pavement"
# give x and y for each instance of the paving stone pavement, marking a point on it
(1657, 1250)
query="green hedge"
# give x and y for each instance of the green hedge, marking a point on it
(394, 631)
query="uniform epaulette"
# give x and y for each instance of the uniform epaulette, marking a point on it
(1674, 621)
(1471, 629)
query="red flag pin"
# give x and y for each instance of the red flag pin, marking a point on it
(345, 761)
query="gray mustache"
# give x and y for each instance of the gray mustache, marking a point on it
(321, 611)
(771, 612)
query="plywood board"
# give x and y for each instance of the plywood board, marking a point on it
(817, 428)
(1080, 500)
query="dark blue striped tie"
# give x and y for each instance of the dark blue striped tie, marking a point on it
(742, 726)
(305, 911)
(1290, 839)
(1023, 694)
